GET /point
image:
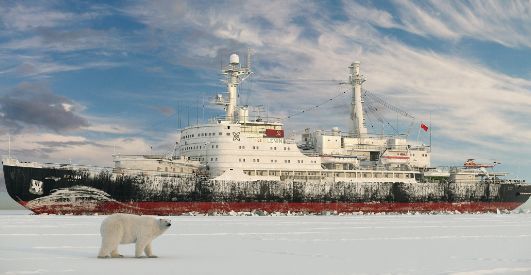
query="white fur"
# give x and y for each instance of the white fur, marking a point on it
(126, 228)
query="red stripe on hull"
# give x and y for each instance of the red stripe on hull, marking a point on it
(178, 208)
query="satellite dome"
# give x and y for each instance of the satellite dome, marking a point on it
(234, 59)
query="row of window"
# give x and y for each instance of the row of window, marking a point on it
(188, 148)
(204, 135)
(166, 169)
(257, 147)
(325, 174)
(275, 161)
(199, 147)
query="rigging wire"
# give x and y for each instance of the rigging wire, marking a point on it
(372, 96)
(315, 106)
(287, 81)
(373, 111)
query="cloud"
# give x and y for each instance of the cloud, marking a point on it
(165, 110)
(41, 39)
(21, 18)
(504, 22)
(35, 68)
(33, 104)
(66, 40)
(59, 148)
(108, 128)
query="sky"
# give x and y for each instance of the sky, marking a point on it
(81, 80)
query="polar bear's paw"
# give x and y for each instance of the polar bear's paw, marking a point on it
(153, 256)
(104, 257)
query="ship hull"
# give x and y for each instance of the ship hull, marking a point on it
(79, 191)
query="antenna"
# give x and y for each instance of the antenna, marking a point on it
(203, 105)
(197, 113)
(178, 115)
(249, 58)
(430, 132)
(9, 145)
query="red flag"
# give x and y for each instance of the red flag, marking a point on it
(274, 133)
(424, 127)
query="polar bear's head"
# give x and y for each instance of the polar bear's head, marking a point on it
(164, 224)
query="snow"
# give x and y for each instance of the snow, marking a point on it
(366, 244)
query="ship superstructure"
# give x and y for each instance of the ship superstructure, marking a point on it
(257, 147)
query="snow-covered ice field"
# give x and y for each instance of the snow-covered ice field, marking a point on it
(395, 244)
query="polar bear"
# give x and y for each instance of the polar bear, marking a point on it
(126, 228)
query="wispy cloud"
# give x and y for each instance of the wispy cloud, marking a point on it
(66, 40)
(504, 22)
(23, 17)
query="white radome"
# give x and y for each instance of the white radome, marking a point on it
(234, 59)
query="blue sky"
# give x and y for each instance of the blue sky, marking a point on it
(79, 80)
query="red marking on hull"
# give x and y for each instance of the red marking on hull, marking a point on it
(178, 208)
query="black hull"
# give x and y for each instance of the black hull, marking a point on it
(80, 190)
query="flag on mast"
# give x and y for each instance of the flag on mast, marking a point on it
(424, 127)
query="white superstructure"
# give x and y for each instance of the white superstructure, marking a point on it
(242, 144)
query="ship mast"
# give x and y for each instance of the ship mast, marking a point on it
(358, 121)
(235, 74)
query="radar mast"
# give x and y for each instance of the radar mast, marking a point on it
(235, 74)
(358, 121)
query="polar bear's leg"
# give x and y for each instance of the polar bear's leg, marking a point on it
(104, 251)
(109, 244)
(140, 246)
(148, 251)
